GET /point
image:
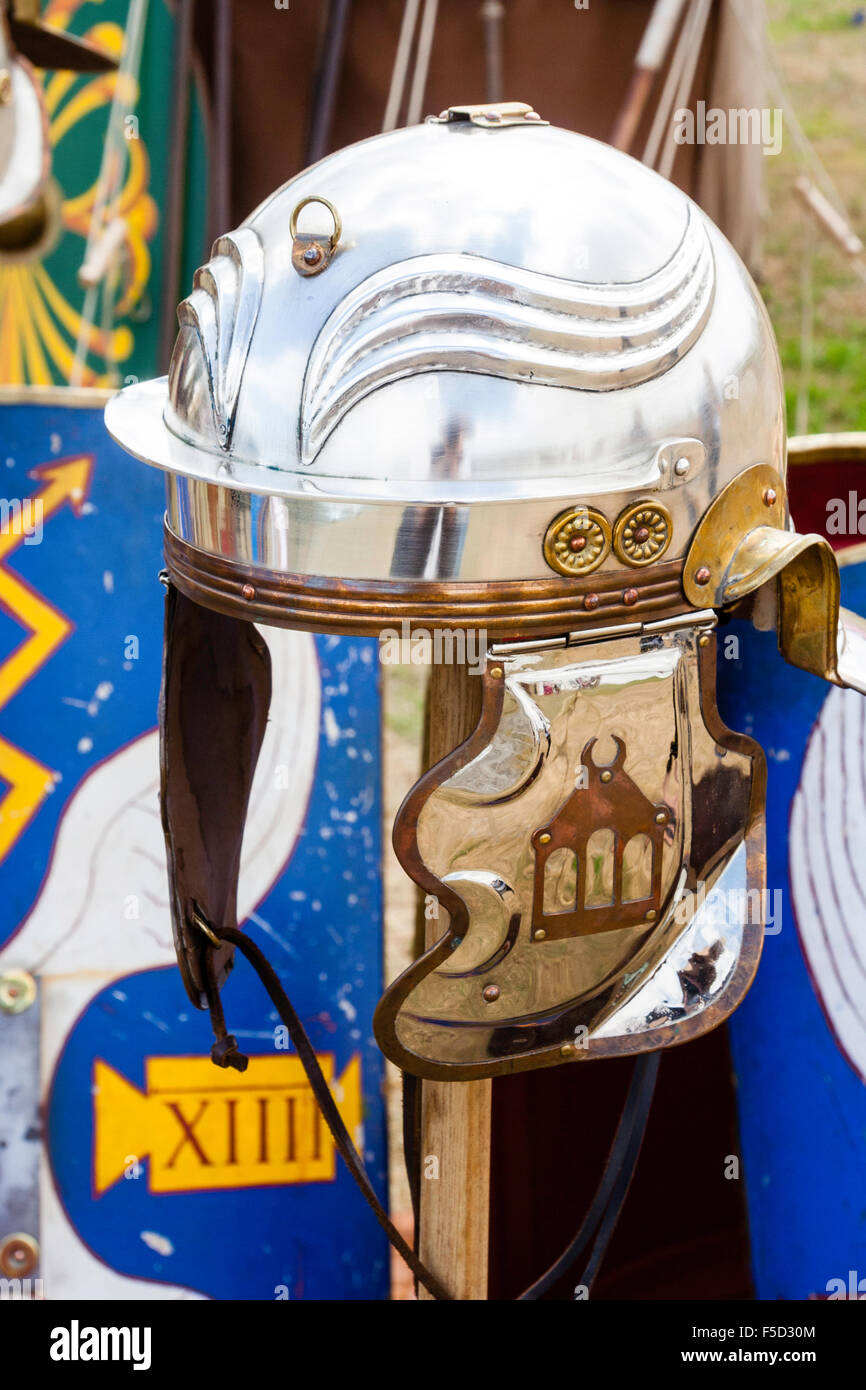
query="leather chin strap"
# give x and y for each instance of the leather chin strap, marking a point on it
(600, 1221)
(213, 712)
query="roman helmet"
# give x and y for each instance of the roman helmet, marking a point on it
(485, 376)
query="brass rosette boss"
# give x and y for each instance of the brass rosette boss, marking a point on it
(577, 541)
(642, 533)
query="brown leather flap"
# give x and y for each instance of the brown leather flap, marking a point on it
(216, 690)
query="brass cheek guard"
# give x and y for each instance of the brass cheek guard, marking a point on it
(742, 543)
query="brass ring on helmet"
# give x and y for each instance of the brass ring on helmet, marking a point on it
(316, 198)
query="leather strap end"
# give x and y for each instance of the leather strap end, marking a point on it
(225, 1053)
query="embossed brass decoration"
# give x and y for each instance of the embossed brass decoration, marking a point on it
(603, 798)
(675, 778)
(577, 541)
(642, 533)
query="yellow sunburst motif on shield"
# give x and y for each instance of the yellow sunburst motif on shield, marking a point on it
(39, 327)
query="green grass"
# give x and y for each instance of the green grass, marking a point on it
(790, 17)
(822, 60)
(403, 689)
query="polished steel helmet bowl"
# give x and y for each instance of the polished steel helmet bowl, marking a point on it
(504, 371)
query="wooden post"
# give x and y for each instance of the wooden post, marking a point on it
(455, 1115)
(654, 44)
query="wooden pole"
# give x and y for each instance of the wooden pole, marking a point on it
(455, 1115)
(829, 219)
(177, 175)
(650, 55)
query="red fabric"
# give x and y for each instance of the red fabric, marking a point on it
(683, 1232)
(812, 485)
